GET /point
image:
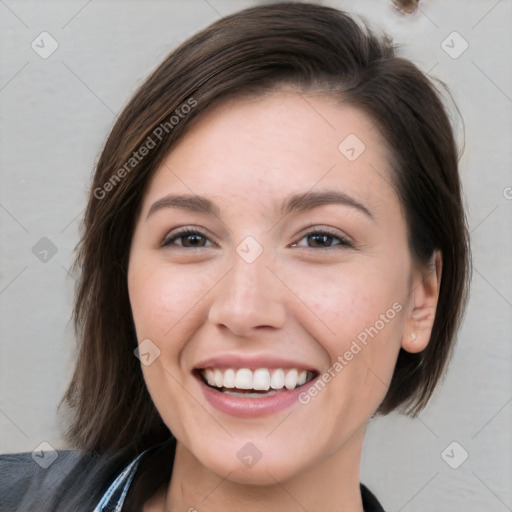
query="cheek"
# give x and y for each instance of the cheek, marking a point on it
(356, 313)
(167, 308)
(163, 298)
(341, 303)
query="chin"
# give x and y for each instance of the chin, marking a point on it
(250, 461)
(260, 474)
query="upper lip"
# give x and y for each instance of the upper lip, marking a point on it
(252, 362)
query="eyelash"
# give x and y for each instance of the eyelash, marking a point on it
(182, 233)
(343, 242)
(185, 231)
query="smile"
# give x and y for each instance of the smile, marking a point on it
(251, 393)
(260, 382)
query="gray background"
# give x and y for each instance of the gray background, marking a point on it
(56, 112)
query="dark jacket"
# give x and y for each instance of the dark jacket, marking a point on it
(74, 482)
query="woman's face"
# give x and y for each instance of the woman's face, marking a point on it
(271, 248)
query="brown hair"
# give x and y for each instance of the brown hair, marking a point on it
(309, 47)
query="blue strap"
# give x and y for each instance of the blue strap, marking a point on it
(113, 499)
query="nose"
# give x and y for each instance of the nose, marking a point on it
(248, 299)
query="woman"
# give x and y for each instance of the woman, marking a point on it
(275, 250)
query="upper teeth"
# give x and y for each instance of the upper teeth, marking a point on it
(260, 379)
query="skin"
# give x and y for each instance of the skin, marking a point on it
(298, 299)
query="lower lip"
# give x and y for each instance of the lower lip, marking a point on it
(251, 407)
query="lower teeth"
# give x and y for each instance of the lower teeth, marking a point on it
(249, 394)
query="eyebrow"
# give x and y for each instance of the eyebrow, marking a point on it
(295, 203)
(311, 200)
(185, 202)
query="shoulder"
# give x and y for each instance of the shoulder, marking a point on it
(66, 480)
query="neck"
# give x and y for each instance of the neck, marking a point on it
(331, 484)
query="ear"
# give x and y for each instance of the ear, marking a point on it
(424, 292)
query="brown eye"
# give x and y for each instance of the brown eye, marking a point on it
(187, 239)
(193, 240)
(322, 240)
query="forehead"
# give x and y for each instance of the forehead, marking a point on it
(258, 150)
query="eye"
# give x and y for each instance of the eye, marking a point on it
(187, 238)
(322, 239)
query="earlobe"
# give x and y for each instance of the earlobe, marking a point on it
(422, 313)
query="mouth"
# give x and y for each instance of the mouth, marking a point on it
(257, 383)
